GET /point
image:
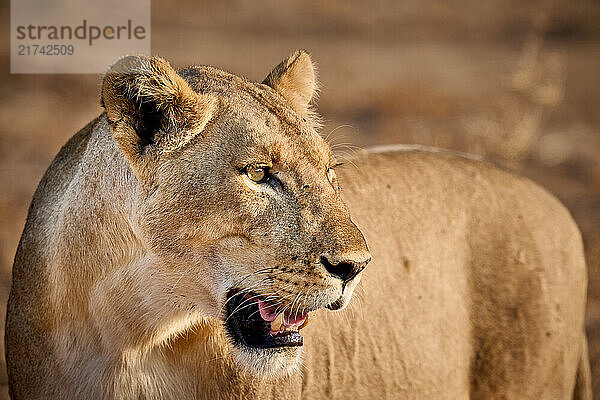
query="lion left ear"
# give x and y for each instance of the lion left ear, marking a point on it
(151, 107)
(294, 78)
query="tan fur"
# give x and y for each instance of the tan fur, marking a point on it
(145, 219)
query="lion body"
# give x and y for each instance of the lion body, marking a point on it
(476, 290)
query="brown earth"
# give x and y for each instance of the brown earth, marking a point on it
(513, 81)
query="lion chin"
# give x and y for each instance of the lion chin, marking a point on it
(268, 364)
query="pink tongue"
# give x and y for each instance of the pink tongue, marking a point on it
(267, 311)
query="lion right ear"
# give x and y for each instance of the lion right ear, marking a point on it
(151, 108)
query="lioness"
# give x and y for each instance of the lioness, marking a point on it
(178, 245)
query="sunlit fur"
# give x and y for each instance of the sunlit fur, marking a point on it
(155, 221)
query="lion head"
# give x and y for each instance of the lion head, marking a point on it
(241, 213)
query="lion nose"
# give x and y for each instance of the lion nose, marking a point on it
(345, 270)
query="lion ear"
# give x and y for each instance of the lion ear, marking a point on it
(150, 106)
(295, 79)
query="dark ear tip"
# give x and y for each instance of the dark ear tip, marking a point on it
(303, 52)
(298, 54)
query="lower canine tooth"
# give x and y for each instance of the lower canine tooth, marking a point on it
(305, 322)
(276, 323)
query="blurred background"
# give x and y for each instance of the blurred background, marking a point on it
(517, 82)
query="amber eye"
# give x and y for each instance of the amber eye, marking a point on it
(331, 175)
(257, 174)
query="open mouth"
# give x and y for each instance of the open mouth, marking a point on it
(255, 322)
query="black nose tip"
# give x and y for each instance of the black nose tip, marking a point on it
(344, 270)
